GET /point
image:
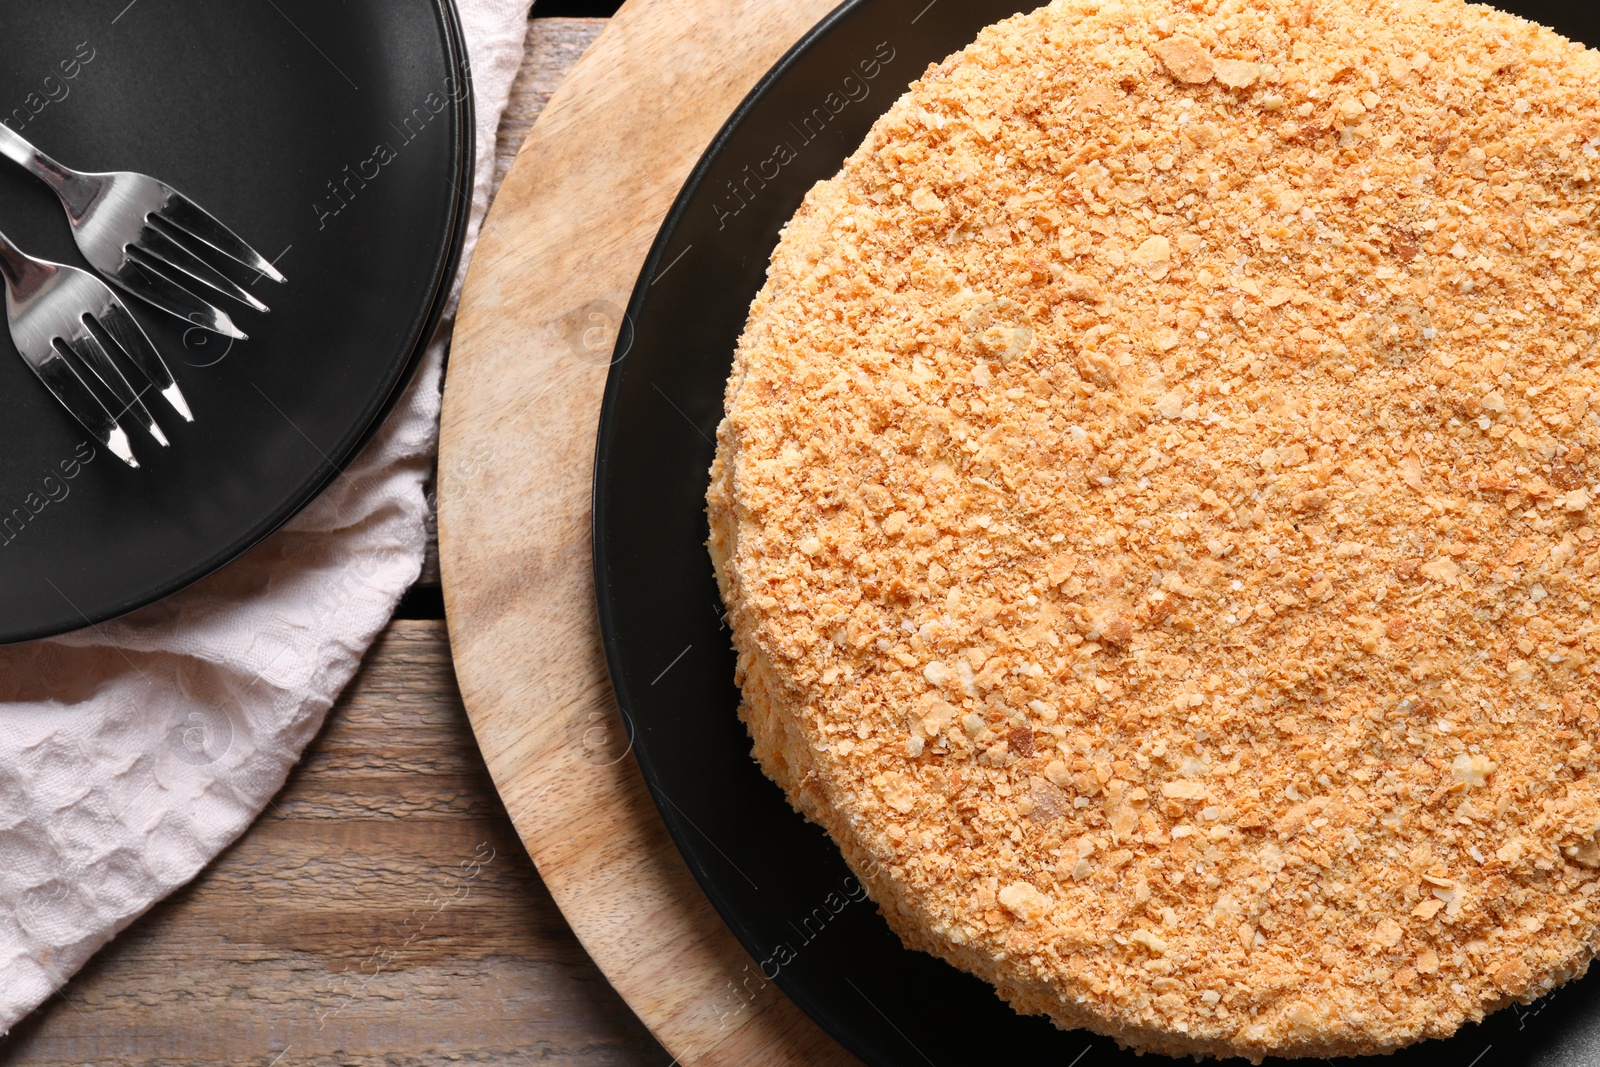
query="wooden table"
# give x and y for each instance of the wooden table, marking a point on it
(382, 910)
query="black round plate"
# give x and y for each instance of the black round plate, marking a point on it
(778, 881)
(333, 135)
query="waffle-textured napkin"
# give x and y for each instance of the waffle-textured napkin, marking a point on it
(134, 752)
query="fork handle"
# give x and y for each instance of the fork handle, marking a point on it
(67, 182)
(17, 148)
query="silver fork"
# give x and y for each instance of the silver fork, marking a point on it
(143, 235)
(55, 312)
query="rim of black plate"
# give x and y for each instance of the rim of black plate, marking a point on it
(676, 823)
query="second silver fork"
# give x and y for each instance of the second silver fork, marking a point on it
(57, 315)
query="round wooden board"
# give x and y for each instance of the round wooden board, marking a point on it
(559, 256)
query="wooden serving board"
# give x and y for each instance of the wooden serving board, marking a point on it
(560, 252)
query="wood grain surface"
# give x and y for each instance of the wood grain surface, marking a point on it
(553, 48)
(560, 253)
(382, 911)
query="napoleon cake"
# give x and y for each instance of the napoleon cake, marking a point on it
(1155, 509)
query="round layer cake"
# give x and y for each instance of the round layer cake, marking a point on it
(1156, 514)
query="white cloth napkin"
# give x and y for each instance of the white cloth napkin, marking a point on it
(134, 752)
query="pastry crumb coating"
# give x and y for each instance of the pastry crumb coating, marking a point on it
(1156, 510)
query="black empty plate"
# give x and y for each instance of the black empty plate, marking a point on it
(778, 881)
(335, 134)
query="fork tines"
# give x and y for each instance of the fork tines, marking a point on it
(161, 252)
(62, 379)
(91, 348)
(163, 265)
(200, 224)
(91, 353)
(130, 337)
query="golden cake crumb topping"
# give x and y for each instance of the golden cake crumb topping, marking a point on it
(1157, 506)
